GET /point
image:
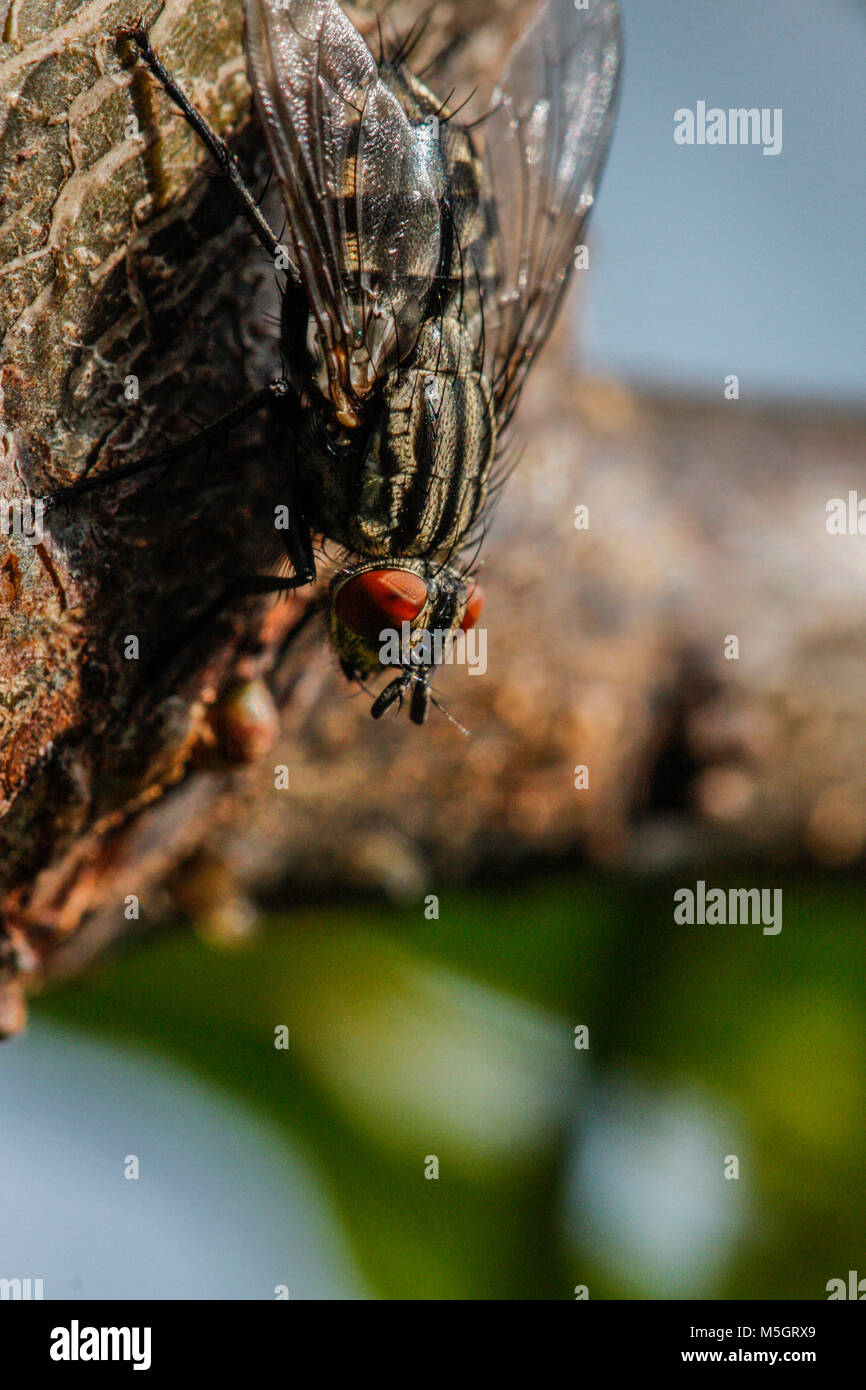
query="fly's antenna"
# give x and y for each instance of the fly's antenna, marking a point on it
(450, 717)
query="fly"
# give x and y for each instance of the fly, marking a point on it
(425, 271)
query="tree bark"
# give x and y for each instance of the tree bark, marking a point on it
(133, 304)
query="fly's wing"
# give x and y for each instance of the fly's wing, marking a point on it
(547, 132)
(361, 187)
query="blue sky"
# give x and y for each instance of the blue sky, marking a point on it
(709, 260)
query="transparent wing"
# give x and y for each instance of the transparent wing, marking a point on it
(361, 187)
(547, 133)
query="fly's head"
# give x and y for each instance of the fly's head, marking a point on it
(401, 617)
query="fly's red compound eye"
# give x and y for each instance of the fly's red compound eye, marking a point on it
(474, 605)
(377, 599)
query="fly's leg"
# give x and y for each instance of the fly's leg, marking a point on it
(420, 704)
(298, 544)
(251, 584)
(175, 453)
(399, 687)
(217, 148)
(393, 692)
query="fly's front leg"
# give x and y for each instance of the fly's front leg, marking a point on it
(251, 584)
(217, 148)
(298, 544)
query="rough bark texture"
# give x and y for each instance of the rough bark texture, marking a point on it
(120, 259)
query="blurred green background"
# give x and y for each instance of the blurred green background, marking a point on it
(558, 1167)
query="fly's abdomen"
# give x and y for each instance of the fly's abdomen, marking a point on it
(422, 481)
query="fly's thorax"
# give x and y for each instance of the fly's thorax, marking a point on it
(369, 602)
